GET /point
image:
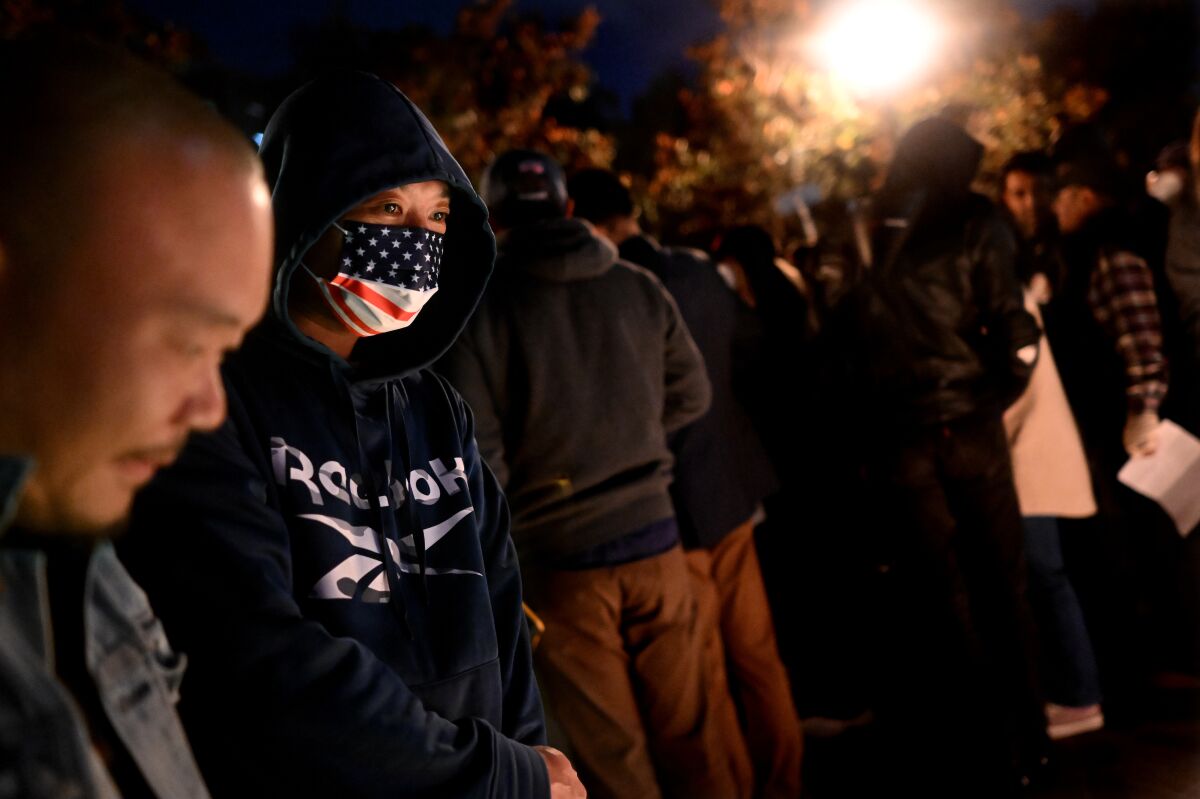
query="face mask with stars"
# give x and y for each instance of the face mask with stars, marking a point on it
(385, 276)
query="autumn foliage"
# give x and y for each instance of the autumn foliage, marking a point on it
(759, 117)
(766, 118)
(487, 86)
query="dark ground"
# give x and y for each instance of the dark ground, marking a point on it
(1157, 758)
(1149, 749)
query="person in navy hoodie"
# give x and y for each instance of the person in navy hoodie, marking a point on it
(339, 568)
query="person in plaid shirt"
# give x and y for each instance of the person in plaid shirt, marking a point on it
(1109, 296)
(1124, 301)
(1106, 324)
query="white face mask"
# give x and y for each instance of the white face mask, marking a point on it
(1166, 187)
(385, 276)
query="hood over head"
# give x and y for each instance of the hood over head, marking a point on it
(332, 144)
(936, 160)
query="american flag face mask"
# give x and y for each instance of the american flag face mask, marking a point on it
(385, 276)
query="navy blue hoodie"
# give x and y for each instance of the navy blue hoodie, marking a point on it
(336, 559)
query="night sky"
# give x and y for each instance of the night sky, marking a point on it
(636, 41)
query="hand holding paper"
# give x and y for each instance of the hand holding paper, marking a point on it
(1141, 434)
(1169, 474)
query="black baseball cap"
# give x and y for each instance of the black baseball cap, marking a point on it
(524, 186)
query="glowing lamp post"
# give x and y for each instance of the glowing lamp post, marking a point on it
(877, 46)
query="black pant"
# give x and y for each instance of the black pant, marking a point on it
(961, 663)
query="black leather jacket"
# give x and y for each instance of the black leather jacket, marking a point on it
(940, 318)
(944, 319)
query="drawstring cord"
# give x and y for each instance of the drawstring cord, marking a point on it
(399, 606)
(418, 532)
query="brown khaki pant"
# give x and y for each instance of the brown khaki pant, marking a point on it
(622, 663)
(733, 605)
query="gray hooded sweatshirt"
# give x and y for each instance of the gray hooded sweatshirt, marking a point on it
(577, 366)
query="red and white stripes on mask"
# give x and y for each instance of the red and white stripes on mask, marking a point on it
(385, 276)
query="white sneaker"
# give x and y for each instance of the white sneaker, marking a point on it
(1063, 721)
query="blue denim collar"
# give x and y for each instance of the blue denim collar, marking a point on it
(14, 471)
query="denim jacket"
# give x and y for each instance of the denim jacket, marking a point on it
(45, 751)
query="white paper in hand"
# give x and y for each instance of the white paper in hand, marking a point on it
(1171, 476)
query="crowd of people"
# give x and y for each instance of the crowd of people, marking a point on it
(409, 480)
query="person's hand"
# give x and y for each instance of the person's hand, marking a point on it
(564, 782)
(1141, 434)
(1039, 287)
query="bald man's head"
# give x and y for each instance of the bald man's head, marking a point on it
(66, 100)
(135, 251)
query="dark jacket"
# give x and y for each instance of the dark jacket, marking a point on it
(577, 365)
(1179, 301)
(942, 311)
(1183, 270)
(721, 469)
(336, 558)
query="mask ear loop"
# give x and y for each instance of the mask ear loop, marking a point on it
(304, 266)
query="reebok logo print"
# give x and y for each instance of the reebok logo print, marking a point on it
(361, 576)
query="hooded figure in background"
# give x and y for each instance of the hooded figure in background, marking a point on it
(340, 570)
(948, 346)
(956, 330)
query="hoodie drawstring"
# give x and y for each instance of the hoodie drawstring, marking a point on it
(418, 532)
(399, 606)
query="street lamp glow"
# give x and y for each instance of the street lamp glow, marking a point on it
(877, 45)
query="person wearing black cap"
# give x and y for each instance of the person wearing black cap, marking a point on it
(722, 475)
(1110, 325)
(1115, 387)
(339, 567)
(578, 367)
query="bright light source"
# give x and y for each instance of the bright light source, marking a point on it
(877, 45)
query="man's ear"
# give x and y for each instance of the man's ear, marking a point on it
(570, 208)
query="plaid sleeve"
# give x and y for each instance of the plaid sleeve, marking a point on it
(1124, 302)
